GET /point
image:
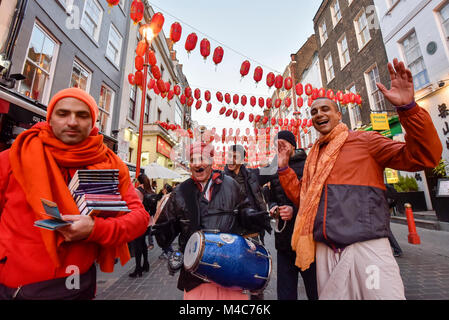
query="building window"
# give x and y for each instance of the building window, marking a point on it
(80, 77)
(92, 16)
(336, 13)
(444, 15)
(132, 102)
(146, 116)
(105, 108)
(355, 115)
(114, 47)
(343, 51)
(362, 29)
(329, 67)
(159, 112)
(39, 65)
(415, 61)
(130, 154)
(162, 70)
(323, 32)
(376, 97)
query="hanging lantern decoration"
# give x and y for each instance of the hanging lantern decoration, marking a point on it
(309, 89)
(167, 86)
(280, 122)
(156, 23)
(151, 58)
(258, 73)
(288, 83)
(190, 101)
(175, 32)
(228, 112)
(251, 117)
(243, 100)
(137, 9)
(219, 96)
(156, 89)
(235, 114)
(197, 94)
(300, 102)
(177, 90)
(261, 102)
(322, 93)
(138, 78)
(273, 121)
(183, 99)
(198, 104)
(358, 99)
(222, 110)
(270, 79)
(170, 95)
(241, 115)
(330, 94)
(257, 119)
(278, 81)
(277, 103)
(339, 96)
(161, 85)
(253, 101)
(218, 55)
(244, 69)
(265, 120)
(227, 98)
(247, 131)
(352, 97)
(141, 48)
(235, 99)
(112, 3)
(309, 101)
(207, 95)
(285, 122)
(287, 102)
(205, 48)
(131, 79)
(315, 93)
(299, 89)
(188, 92)
(191, 41)
(298, 123)
(269, 103)
(156, 72)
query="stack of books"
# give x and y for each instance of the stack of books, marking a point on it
(96, 192)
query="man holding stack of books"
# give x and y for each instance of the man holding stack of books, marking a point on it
(63, 199)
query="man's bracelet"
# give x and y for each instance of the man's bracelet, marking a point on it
(283, 169)
(407, 106)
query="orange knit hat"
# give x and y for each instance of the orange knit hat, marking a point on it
(78, 94)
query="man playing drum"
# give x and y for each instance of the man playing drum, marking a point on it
(209, 200)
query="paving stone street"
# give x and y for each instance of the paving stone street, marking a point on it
(424, 269)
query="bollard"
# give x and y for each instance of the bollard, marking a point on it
(413, 236)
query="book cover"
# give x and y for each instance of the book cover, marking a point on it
(56, 221)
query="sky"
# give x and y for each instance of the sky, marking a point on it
(261, 31)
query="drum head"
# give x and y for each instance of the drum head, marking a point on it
(193, 251)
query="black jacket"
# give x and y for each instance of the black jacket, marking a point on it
(277, 197)
(187, 211)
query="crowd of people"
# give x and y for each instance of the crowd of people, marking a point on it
(330, 206)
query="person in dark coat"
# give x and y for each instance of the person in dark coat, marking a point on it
(208, 200)
(287, 272)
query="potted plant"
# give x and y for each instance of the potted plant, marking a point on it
(407, 189)
(441, 202)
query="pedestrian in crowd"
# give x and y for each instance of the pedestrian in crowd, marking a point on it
(165, 192)
(145, 193)
(35, 263)
(391, 200)
(208, 200)
(248, 180)
(343, 217)
(287, 272)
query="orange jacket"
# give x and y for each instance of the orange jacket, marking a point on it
(23, 255)
(353, 205)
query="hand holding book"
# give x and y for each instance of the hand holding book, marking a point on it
(80, 228)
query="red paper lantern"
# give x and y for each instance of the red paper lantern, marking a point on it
(270, 79)
(156, 89)
(309, 101)
(352, 97)
(197, 94)
(278, 81)
(235, 114)
(280, 121)
(358, 99)
(156, 72)
(273, 121)
(243, 100)
(112, 3)
(131, 79)
(257, 119)
(219, 96)
(228, 112)
(137, 10)
(138, 78)
(191, 41)
(339, 96)
(235, 99)
(152, 58)
(309, 89)
(265, 120)
(161, 85)
(188, 92)
(207, 95)
(227, 98)
(241, 116)
(269, 103)
(190, 101)
(322, 93)
(251, 117)
(177, 90)
(258, 73)
(208, 107)
(287, 102)
(288, 83)
(299, 89)
(277, 103)
(205, 48)
(330, 94)
(218, 55)
(198, 104)
(261, 102)
(183, 99)
(315, 93)
(244, 69)
(141, 48)
(175, 32)
(156, 23)
(170, 95)
(222, 110)
(253, 101)
(300, 102)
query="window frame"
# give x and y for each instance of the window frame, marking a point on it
(112, 28)
(358, 32)
(95, 37)
(409, 63)
(320, 28)
(372, 91)
(333, 13)
(86, 69)
(132, 88)
(327, 68)
(442, 21)
(111, 111)
(341, 53)
(355, 115)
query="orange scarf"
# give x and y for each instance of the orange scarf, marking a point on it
(36, 157)
(316, 172)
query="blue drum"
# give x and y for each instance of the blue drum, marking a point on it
(229, 260)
